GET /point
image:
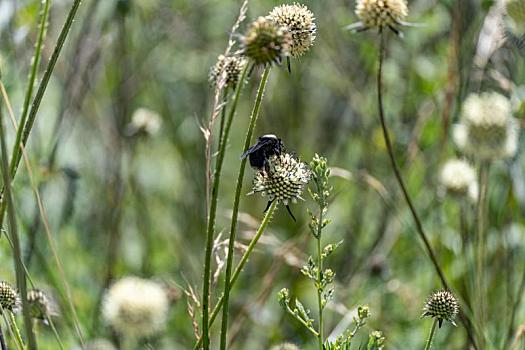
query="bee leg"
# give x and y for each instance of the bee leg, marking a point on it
(290, 212)
(268, 205)
(289, 65)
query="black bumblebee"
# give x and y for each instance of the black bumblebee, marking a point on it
(266, 146)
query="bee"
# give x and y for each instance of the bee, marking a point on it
(266, 146)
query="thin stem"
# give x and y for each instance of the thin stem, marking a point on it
(395, 168)
(319, 279)
(213, 208)
(32, 77)
(240, 266)
(303, 322)
(236, 201)
(428, 345)
(3, 346)
(480, 248)
(17, 250)
(40, 94)
(16, 331)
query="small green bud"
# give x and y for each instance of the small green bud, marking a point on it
(376, 341)
(363, 312)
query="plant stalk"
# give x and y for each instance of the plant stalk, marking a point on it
(223, 140)
(319, 279)
(428, 345)
(236, 202)
(240, 266)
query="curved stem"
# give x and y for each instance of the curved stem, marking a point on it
(240, 266)
(32, 77)
(428, 345)
(213, 209)
(236, 201)
(395, 168)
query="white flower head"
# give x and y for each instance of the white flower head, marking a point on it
(136, 306)
(458, 177)
(285, 179)
(381, 13)
(145, 121)
(487, 130)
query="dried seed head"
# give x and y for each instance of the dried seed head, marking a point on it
(136, 306)
(266, 42)
(381, 13)
(441, 305)
(458, 177)
(285, 179)
(299, 22)
(487, 129)
(285, 346)
(227, 71)
(9, 299)
(41, 307)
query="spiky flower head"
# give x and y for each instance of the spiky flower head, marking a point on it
(458, 177)
(285, 179)
(227, 70)
(9, 298)
(266, 42)
(299, 22)
(441, 305)
(487, 130)
(41, 307)
(381, 13)
(136, 306)
(285, 346)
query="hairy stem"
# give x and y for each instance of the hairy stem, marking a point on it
(428, 344)
(319, 279)
(236, 201)
(240, 266)
(223, 140)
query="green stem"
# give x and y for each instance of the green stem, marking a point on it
(17, 250)
(480, 248)
(236, 201)
(40, 94)
(213, 210)
(428, 345)
(320, 278)
(32, 77)
(395, 168)
(303, 322)
(16, 331)
(240, 266)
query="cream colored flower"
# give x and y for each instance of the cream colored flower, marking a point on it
(136, 307)
(381, 13)
(458, 177)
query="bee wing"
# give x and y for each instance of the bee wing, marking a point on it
(254, 148)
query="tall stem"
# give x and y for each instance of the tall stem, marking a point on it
(236, 201)
(40, 94)
(32, 77)
(480, 248)
(428, 345)
(16, 331)
(240, 265)
(395, 168)
(319, 280)
(13, 231)
(223, 140)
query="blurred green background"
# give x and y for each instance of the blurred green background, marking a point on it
(123, 205)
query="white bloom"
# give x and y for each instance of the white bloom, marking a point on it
(145, 120)
(487, 129)
(136, 307)
(458, 177)
(381, 13)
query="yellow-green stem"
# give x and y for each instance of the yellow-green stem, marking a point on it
(236, 202)
(428, 344)
(223, 140)
(16, 331)
(240, 266)
(319, 279)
